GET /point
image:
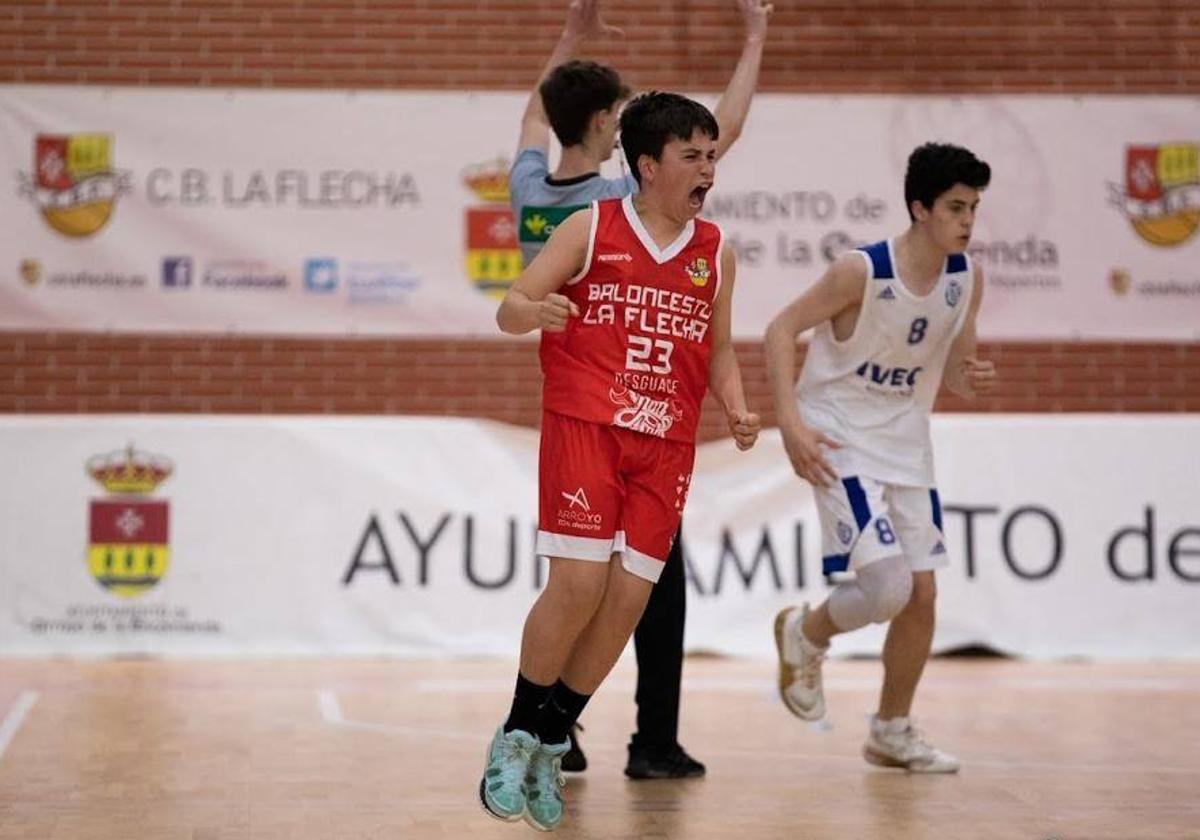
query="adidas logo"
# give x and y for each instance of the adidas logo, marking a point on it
(615, 258)
(886, 294)
(940, 548)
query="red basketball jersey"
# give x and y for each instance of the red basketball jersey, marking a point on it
(637, 354)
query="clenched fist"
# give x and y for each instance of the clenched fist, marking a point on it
(745, 426)
(553, 312)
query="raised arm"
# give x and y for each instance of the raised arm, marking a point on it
(583, 21)
(839, 289)
(724, 373)
(966, 374)
(533, 302)
(734, 104)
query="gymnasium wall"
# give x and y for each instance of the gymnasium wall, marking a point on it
(1011, 47)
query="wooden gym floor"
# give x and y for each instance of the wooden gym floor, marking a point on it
(356, 749)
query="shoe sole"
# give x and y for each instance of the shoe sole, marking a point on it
(483, 795)
(487, 808)
(787, 673)
(649, 777)
(881, 759)
(532, 823)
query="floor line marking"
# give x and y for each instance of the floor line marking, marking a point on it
(15, 717)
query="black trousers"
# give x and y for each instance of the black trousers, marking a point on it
(658, 641)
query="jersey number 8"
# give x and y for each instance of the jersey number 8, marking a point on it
(916, 332)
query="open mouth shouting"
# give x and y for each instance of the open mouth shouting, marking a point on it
(697, 195)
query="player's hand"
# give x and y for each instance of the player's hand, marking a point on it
(978, 375)
(745, 426)
(803, 446)
(755, 14)
(584, 21)
(553, 312)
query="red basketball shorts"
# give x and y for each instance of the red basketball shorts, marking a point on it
(605, 490)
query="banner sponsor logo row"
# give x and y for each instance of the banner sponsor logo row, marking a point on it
(1087, 244)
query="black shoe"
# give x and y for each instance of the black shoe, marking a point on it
(573, 760)
(673, 762)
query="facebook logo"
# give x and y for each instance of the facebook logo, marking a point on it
(320, 274)
(176, 272)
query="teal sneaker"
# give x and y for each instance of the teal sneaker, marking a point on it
(501, 790)
(543, 787)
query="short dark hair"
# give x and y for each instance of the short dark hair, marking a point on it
(653, 119)
(576, 90)
(934, 168)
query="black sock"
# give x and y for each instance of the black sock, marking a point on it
(561, 710)
(528, 700)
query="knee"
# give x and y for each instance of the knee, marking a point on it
(578, 594)
(892, 595)
(627, 595)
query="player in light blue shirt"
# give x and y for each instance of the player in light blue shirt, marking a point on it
(580, 101)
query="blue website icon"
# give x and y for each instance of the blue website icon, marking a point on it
(320, 274)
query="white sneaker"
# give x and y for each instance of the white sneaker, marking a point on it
(799, 665)
(898, 743)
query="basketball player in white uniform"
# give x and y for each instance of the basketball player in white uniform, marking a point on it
(893, 321)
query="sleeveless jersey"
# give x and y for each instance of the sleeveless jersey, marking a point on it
(637, 354)
(873, 392)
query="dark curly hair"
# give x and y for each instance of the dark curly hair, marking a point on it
(934, 168)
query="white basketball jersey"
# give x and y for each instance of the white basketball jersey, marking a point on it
(873, 392)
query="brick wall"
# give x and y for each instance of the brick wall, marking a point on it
(815, 45)
(1118, 46)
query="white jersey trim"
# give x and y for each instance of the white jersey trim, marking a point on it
(662, 255)
(899, 281)
(591, 246)
(868, 281)
(867, 259)
(720, 260)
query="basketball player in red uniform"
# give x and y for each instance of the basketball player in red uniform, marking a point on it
(633, 298)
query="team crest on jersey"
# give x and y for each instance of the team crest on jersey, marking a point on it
(845, 532)
(953, 293)
(698, 271)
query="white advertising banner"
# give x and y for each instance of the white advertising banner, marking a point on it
(302, 212)
(260, 536)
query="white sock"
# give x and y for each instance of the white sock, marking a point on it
(889, 727)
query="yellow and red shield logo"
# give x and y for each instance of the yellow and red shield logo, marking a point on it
(73, 182)
(1162, 192)
(493, 253)
(128, 533)
(128, 547)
